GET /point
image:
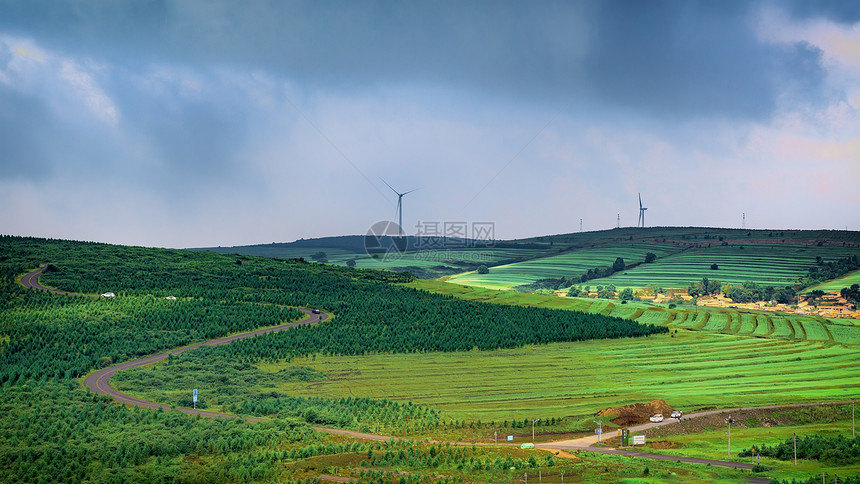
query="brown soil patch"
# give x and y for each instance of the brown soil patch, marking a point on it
(665, 444)
(563, 454)
(636, 413)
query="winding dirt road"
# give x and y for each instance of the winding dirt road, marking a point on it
(99, 382)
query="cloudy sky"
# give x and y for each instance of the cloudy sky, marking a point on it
(185, 123)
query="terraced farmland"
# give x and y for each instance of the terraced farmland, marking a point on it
(690, 370)
(760, 324)
(767, 265)
(569, 264)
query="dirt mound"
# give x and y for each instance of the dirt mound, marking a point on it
(636, 413)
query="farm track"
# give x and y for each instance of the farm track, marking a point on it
(99, 383)
(701, 324)
(730, 323)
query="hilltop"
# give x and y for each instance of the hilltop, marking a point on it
(681, 255)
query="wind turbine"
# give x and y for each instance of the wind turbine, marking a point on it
(399, 206)
(641, 212)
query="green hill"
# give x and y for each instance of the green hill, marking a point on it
(769, 258)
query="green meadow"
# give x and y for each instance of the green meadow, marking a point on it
(837, 284)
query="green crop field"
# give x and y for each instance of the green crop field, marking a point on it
(568, 264)
(766, 265)
(690, 370)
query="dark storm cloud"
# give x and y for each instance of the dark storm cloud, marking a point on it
(839, 11)
(676, 58)
(689, 58)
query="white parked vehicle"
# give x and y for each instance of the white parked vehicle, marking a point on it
(657, 418)
(677, 414)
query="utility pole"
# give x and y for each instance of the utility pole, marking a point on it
(618, 221)
(533, 429)
(580, 225)
(730, 421)
(795, 449)
(852, 419)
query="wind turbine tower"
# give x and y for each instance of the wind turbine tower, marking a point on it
(399, 206)
(641, 212)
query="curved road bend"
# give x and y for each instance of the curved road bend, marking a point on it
(31, 280)
(99, 382)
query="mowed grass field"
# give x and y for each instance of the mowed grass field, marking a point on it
(568, 264)
(690, 370)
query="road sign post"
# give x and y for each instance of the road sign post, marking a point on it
(194, 398)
